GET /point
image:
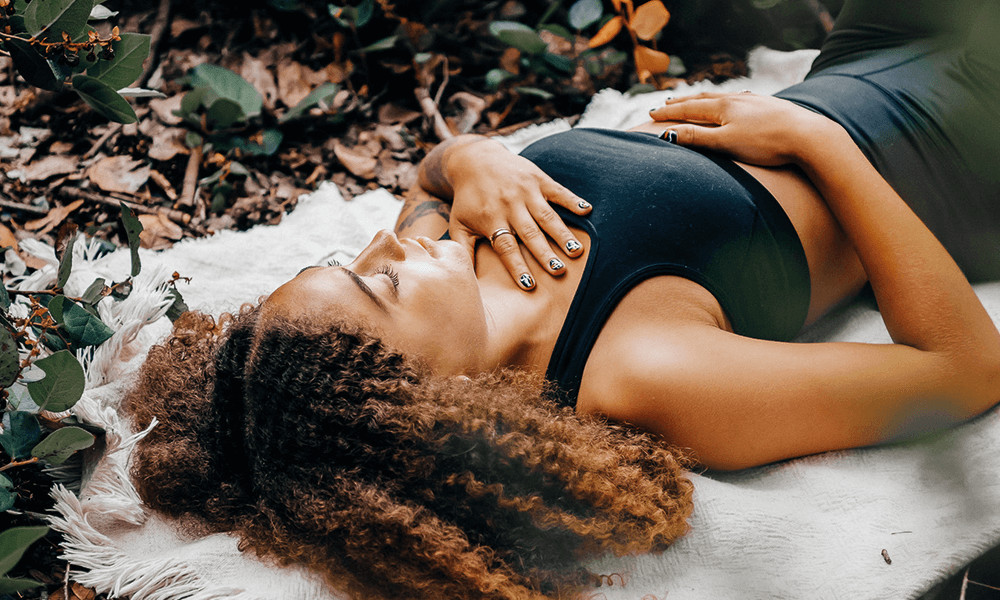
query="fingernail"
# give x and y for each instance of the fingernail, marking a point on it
(583, 204)
(555, 264)
(669, 136)
(527, 281)
(573, 246)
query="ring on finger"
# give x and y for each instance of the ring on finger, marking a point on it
(498, 233)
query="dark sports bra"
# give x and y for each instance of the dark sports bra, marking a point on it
(660, 209)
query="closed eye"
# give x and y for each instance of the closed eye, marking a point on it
(393, 277)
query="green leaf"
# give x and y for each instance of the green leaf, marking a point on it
(127, 64)
(365, 11)
(533, 91)
(382, 44)
(56, 16)
(66, 262)
(559, 30)
(84, 328)
(584, 12)
(223, 113)
(12, 585)
(100, 13)
(497, 76)
(63, 383)
(561, 63)
(104, 99)
(178, 307)
(10, 361)
(132, 230)
(229, 85)
(4, 297)
(8, 495)
(62, 443)
(32, 65)
(519, 36)
(13, 543)
(94, 292)
(321, 94)
(23, 433)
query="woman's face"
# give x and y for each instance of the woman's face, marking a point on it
(421, 296)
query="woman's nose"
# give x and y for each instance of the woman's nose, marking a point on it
(384, 246)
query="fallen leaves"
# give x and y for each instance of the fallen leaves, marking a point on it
(49, 167)
(53, 219)
(358, 162)
(119, 174)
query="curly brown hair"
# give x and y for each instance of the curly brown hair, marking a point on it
(316, 444)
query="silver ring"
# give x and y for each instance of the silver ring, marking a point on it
(498, 233)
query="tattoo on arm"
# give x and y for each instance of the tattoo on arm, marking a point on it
(423, 209)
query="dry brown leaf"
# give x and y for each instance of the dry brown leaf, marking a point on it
(255, 71)
(165, 107)
(651, 61)
(118, 174)
(391, 114)
(7, 237)
(53, 219)
(357, 162)
(50, 166)
(60, 147)
(649, 19)
(158, 232)
(82, 592)
(510, 61)
(606, 33)
(295, 81)
(166, 144)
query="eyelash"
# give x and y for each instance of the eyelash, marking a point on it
(387, 270)
(333, 262)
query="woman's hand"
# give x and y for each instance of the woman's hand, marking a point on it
(760, 130)
(494, 190)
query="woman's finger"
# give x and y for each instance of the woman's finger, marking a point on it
(558, 194)
(536, 242)
(697, 136)
(464, 237)
(553, 225)
(505, 245)
(703, 110)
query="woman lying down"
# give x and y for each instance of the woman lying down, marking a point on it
(476, 417)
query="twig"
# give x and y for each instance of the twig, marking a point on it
(176, 216)
(431, 112)
(445, 76)
(43, 293)
(982, 584)
(10, 204)
(66, 582)
(156, 36)
(112, 130)
(191, 177)
(19, 463)
(965, 584)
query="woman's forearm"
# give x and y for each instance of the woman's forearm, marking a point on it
(923, 296)
(432, 174)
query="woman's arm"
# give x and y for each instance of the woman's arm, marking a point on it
(741, 402)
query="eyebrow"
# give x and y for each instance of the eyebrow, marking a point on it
(364, 288)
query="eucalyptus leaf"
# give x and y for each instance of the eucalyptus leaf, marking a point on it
(10, 361)
(134, 92)
(497, 76)
(585, 12)
(382, 44)
(94, 292)
(31, 65)
(66, 262)
(323, 93)
(519, 36)
(556, 61)
(126, 67)
(104, 99)
(12, 585)
(8, 495)
(84, 328)
(53, 17)
(100, 13)
(178, 307)
(533, 91)
(223, 113)
(21, 436)
(4, 297)
(62, 385)
(227, 84)
(364, 13)
(62, 443)
(13, 543)
(559, 30)
(132, 230)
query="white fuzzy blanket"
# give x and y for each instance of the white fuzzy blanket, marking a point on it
(809, 528)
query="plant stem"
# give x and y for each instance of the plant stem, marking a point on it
(19, 463)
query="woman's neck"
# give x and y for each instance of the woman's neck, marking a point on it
(524, 326)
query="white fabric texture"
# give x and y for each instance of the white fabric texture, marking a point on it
(808, 528)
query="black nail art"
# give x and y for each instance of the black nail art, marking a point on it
(654, 108)
(669, 136)
(527, 281)
(573, 245)
(555, 264)
(583, 204)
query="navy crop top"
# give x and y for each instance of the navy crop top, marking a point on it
(661, 209)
